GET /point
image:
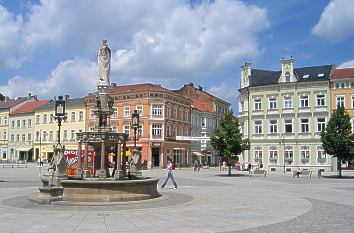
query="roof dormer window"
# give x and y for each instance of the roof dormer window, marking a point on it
(320, 75)
(287, 77)
(305, 76)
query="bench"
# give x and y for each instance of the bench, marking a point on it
(22, 165)
(8, 165)
(303, 172)
(259, 172)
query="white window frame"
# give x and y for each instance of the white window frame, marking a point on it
(258, 127)
(258, 153)
(273, 126)
(81, 116)
(157, 110)
(139, 109)
(257, 104)
(156, 130)
(288, 122)
(340, 100)
(304, 101)
(272, 103)
(126, 111)
(273, 152)
(126, 129)
(305, 152)
(321, 100)
(289, 152)
(305, 126)
(321, 125)
(321, 154)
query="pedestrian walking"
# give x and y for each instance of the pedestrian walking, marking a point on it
(169, 170)
(196, 166)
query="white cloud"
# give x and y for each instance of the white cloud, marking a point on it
(75, 77)
(347, 64)
(225, 91)
(336, 21)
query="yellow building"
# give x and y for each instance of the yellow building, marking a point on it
(46, 127)
(342, 92)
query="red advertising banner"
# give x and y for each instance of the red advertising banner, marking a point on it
(72, 161)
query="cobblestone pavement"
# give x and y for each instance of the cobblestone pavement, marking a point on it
(207, 201)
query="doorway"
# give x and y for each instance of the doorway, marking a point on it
(155, 154)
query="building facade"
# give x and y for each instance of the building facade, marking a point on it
(207, 112)
(21, 131)
(6, 108)
(163, 115)
(342, 94)
(283, 113)
(46, 127)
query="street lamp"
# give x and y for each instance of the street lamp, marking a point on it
(135, 125)
(60, 113)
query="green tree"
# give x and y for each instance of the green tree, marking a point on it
(337, 137)
(2, 97)
(227, 140)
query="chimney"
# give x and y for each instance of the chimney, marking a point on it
(200, 88)
(29, 95)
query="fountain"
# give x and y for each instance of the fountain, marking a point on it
(123, 186)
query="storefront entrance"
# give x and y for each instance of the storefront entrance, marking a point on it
(155, 157)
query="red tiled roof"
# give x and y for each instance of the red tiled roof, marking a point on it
(30, 107)
(137, 87)
(199, 105)
(343, 73)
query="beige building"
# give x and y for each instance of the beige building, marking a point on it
(283, 113)
(163, 115)
(46, 127)
(6, 107)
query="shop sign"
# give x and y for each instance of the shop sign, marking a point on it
(72, 161)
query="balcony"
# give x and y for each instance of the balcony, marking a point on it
(305, 160)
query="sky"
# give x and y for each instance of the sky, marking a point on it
(49, 47)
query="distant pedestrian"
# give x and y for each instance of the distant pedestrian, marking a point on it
(196, 166)
(169, 170)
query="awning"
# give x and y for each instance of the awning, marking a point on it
(23, 148)
(197, 153)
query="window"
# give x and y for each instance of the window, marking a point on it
(304, 101)
(273, 152)
(321, 100)
(23, 123)
(29, 123)
(50, 135)
(12, 124)
(65, 135)
(17, 137)
(115, 113)
(337, 85)
(351, 84)
(181, 114)
(157, 110)
(340, 101)
(258, 153)
(73, 116)
(321, 154)
(72, 135)
(29, 137)
(140, 131)
(168, 112)
(305, 152)
(258, 127)
(45, 135)
(23, 137)
(287, 77)
(5, 136)
(321, 124)
(273, 126)
(304, 125)
(51, 120)
(288, 102)
(272, 103)
(288, 153)
(257, 104)
(156, 130)
(127, 129)
(5, 120)
(12, 137)
(18, 124)
(186, 117)
(45, 119)
(168, 131)
(139, 109)
(126, 111)
(81, 116)
(288, 125)
(203, 121)
(37, 135)
(352, 101)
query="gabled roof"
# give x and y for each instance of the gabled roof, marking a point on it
(137, 88)
(343, 73)
(11, 102)
(303, 74)
(199, 105)
(30, 107)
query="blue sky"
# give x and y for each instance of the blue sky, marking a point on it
(49, 47)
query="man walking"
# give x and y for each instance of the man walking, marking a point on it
(169, 170)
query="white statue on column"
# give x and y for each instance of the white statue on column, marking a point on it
(104, 63)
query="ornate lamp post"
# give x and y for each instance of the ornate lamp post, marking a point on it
(135, 125)
(59, 113)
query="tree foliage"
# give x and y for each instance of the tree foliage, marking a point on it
(337, 137)
(2, 97)
(227, 140)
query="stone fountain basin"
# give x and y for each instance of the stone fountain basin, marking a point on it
(95, 190)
